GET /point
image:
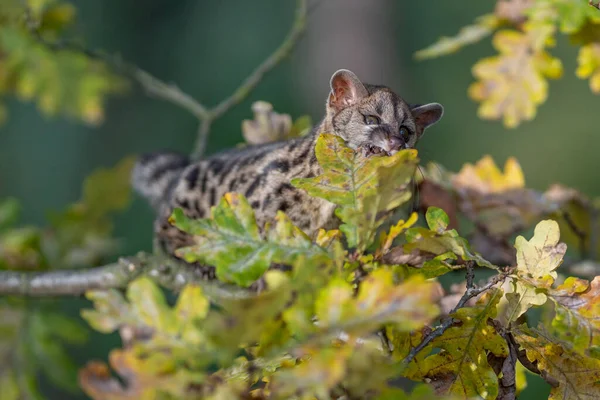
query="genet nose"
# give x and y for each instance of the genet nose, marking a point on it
(395, 143)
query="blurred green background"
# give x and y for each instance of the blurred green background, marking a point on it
(208, 48)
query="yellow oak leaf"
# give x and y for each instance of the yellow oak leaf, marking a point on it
(571, 374)
(588, 62)
(409, 305)
(577, 306)
(486, 177)
(387, 239)
(513, 84)
(496, 199)
(524, 295)
(539, 257)
(537, 260)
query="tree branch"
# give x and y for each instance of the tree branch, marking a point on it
(156, 88)
(471, 292)
(166, 272)
(150, 84)
(69, 282)
(253, 79)
(271, 62)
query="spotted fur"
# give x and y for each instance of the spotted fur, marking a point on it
(262, 173)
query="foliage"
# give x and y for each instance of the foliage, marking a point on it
(35, 335)
(362, 187)
(511, 85)
(60, 82)
(572, 374)
(461, 367)
(232, 243)
(340, 314)
(354, 312)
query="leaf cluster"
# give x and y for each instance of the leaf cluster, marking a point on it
(36, 336)
(347, 313)
(514, 83)
(59, 81)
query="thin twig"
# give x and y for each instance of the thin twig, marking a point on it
(385, 341)
(156, 88)
(253, 79)
(471, 292)
(592, 252)
(202, 137)
(505, 367)
(271, 62)
(149, 83)
(581, 235)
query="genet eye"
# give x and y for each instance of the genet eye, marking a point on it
(372, 120)
(405, 133)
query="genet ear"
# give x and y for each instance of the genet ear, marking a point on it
(427, 115)
(346, 90)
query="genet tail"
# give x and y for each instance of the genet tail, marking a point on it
(155, 175)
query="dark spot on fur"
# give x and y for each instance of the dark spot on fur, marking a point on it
(253, 186)
(204, 180)
(184, 203)
(170, 165)
(255, 204)
(216, 165)
(199, 210)
(232, 184)
(282, 166)
(212, 196)
(267, 201)
(293, 145)
(251, 159)
(300, 158)
(284, 206)
(192, 177)
(283, 187)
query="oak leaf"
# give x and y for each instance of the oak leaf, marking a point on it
(577, 306)
(589, 65)
(231, 241)
(513, 84)
(537, 260)
(571, 374)
(364, 187)
(461, 367)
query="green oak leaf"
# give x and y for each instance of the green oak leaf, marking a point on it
(231, 241)
(363, 187)
(438, 241)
